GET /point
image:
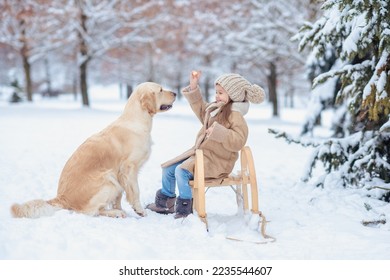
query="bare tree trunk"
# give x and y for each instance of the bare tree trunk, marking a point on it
(207, 60)
(27, 74)
(84, 65)
(272, 78)
(84, 83)
(151, 64)
(48, 77)
(129, 90)
(178, 84)
(74, 86)
(207, 89)
(26, 64)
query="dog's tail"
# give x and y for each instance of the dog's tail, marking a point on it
(35, 209)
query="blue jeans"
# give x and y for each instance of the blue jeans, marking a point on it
(174, 174)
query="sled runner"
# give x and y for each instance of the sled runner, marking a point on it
(246, 176)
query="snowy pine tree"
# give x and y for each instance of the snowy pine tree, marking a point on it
(359, 33)
(323, 97)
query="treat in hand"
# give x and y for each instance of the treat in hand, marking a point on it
(194, 79)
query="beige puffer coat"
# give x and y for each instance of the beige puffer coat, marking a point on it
(221, 148)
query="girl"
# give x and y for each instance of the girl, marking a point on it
(223, 135)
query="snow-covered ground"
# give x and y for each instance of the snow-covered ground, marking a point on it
(309, 223)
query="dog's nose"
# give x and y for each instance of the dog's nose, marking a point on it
(174, 94)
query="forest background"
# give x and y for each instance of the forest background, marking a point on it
(62, 46)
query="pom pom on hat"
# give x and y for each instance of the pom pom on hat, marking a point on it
(239, 89)
(256, 94)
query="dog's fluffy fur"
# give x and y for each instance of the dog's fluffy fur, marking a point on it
(107, 163)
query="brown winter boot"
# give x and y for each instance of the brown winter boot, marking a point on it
(163, 204)
(183, 207)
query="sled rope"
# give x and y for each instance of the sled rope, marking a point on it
(264, 222)
(262, 225)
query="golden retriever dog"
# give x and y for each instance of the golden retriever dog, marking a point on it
(107, 163)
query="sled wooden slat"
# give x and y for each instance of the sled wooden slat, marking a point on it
(246, 177)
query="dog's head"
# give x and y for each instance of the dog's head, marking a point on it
(153, 98)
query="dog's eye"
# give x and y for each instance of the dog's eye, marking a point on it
(161, 90)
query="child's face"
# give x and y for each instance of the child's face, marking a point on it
(221, 94)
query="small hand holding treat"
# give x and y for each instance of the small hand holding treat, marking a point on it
(194, 79)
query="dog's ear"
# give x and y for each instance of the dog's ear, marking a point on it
(148, 102)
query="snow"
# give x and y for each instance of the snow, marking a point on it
(308, 223)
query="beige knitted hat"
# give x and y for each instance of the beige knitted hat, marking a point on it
(239, 89)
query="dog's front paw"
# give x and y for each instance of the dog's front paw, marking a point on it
(121, 214)
(141, 212)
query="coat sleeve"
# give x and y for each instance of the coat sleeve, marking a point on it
(234, 137)
(198, 105)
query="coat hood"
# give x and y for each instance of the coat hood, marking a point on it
(241, 107)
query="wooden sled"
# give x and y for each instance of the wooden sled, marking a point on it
(245, 182)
